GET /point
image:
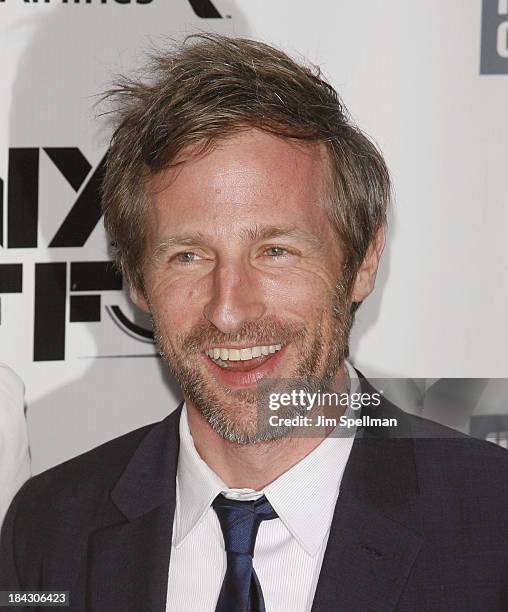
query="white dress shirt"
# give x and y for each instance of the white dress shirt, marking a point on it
(289, 549)
(14, 458)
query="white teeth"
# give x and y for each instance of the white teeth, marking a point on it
(234, 355)
(244, 354)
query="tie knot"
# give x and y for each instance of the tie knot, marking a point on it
(240, 520)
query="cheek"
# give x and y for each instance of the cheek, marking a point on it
(299, 291)
(175, 304)
(166, 289)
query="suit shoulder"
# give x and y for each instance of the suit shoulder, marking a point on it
(455, 461)
(426, 429)
(82, 479)
(98, 463)
(53, 513)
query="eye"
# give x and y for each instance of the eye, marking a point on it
(276, 251)
(187, 257)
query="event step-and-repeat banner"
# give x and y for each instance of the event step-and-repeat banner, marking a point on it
(427, 80)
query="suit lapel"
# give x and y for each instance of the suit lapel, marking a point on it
(372, 545)
(128, 559)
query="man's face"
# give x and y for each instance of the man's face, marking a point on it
(243, 275)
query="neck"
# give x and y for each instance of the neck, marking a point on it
(251, 466)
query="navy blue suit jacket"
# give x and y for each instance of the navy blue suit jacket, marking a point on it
(421, 523)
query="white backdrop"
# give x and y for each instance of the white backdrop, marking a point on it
(409, 71)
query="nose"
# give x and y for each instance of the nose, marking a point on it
(235, 299)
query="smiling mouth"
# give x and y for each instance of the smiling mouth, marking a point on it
(242, 359)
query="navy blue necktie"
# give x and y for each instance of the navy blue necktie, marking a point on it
(240, 520)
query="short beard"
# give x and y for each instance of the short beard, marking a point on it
(247, 423)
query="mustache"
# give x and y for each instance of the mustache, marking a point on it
(269, 330)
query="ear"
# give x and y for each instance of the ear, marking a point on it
(366, 275)
(138, 297)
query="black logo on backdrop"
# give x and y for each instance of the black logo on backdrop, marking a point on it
(494, 51)
(23, 197)
(86, 277)
(202, 8)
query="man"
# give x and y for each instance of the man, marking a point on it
(247, 214)
(14, 457)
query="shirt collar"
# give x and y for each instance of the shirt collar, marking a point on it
(304, 497)
(196, 484)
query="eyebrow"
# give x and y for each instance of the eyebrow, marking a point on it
(267, 232)
(251, 234)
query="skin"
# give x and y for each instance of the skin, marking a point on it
(240, 250)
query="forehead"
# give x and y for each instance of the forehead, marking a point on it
(252, 178)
